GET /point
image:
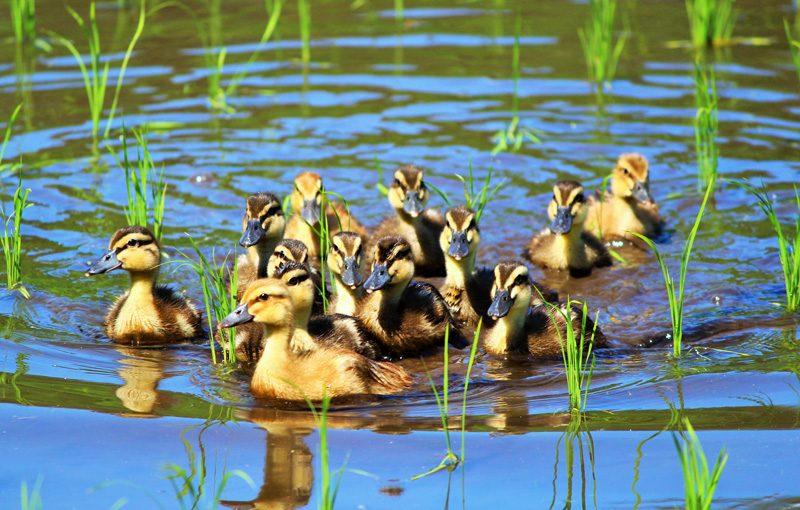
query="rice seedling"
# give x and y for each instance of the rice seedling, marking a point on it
(514, 136)
(794, 44)
(676, 299)
(12, 240)
(304, 15)
(788, 247)
(7, 135)
(31, 500)
(600, 48)
(23, 20)
(711, 22)
(330, 480)
(700, 483)
(472, 352)
(578, 446)
(95, 76)
(706, 123)
(477, 201)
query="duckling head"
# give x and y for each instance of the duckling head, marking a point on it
(307, 196)
(133, 249)
(263, 220)
(297, 278)
(511, 290)
(567, 208)
(631, 178)
(345, 257)
(267, 301)
(393, 265)
(460, 238)
(288, 250)
(408, 192)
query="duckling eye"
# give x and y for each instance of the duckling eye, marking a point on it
(263, 297)
(294, 281)
(580, 198)
(398, 184)
(521, 279)
(625, 171)
(132, 242)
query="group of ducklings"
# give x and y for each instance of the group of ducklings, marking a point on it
(372, 322)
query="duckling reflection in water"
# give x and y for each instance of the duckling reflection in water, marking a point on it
(141, 370)
(262, 230)
(537, 331)
(421, 227)
(344, 261)
(565, 245)
(293, 366)
(148, 314)
(629, 207)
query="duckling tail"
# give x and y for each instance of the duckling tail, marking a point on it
(385, 378)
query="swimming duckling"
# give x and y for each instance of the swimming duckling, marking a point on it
(148, 314)
(344, 261)
(525, 329)
(629, 206)
(295, 251)
(405, 316)
(421, 227)
(565, 245)
(286, 373)
(306, 207)
(262, 228)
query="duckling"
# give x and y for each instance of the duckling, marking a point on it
(295, 251)
(262, 228)
(306, 207)
(287, 373)
(405, 316)
(421, 227)
(538, 330)
(344, 261)
(148, 314)
(629, 207)
(565, 245)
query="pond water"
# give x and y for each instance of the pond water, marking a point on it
(100, 423)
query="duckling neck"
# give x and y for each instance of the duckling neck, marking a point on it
(141, 292)
(346, 298)
(386, 300)
(259, 255)
(571, 247)
(459, 271)
(277, 342)
(301, 318)
(503, 336)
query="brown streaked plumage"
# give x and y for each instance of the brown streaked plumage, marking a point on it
(292, 250)
(405, 316)
(537, 331)
(565, 245)
(316, 371)
(629, 207)
(263, 226)
(344, 260)
(421, 227)
(148, 314)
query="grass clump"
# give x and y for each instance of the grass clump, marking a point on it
(794, 44)
(477, 201)
(676, 299)
(23, 20)
(700, 482)
(600, 48)
(12, 240)
(577, 353)
(710, 21)
(788, 247)
(706, 123)
(31, 500)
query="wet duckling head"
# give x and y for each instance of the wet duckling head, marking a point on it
(288, 250)
(133, 249)
(567, 209)
(393, 265)
(307, 196)
(511, 290)
(460, 237)
(267, 301)
(263, 220)
(297, 278)
(408, 192)
(631, 178)
(345, 258)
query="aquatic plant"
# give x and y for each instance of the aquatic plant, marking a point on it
(710, 21)
(706, 123)
(31, 500)
(788, 247)
(12, 240)
(794, 45)
(331, 480)
(399, 12)
(578, 357)
(95, 76)
(676, 300)
(578, 445)
(700, 483)
(23, 20)
(304, 15)
(600, 48)
(7, 135)
(477, 201)
(472, 352)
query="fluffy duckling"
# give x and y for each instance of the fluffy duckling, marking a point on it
(285, 372)
(525, 329)
(421, 227)
(344, 261)
(306, 200)
(292, 250)
(405, 316)
(148, 314)
(262, 228)
(629, 206)
(565, 245)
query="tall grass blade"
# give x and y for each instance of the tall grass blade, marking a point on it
(7, 135)
(711, 22)
(304, 14)
(23, 20)
(700, 483)
(12, 239)
(794, 45)
(31, 500)
(601, 49)
(706, 123)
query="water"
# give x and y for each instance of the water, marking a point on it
(100, 423)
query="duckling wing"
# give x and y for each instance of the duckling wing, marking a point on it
(426, 310)
(344, 332)
(596, 251)
(382, 377)
(179, 316)
(538, 248)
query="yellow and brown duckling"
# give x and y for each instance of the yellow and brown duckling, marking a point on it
(629, 207)
(565, 245)
(314, 371)
(344, 261)
(148, 314)
(408, 195)
(405, 316)
(262, 229)
(292, 250)
(306, 201)
(519, 328)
